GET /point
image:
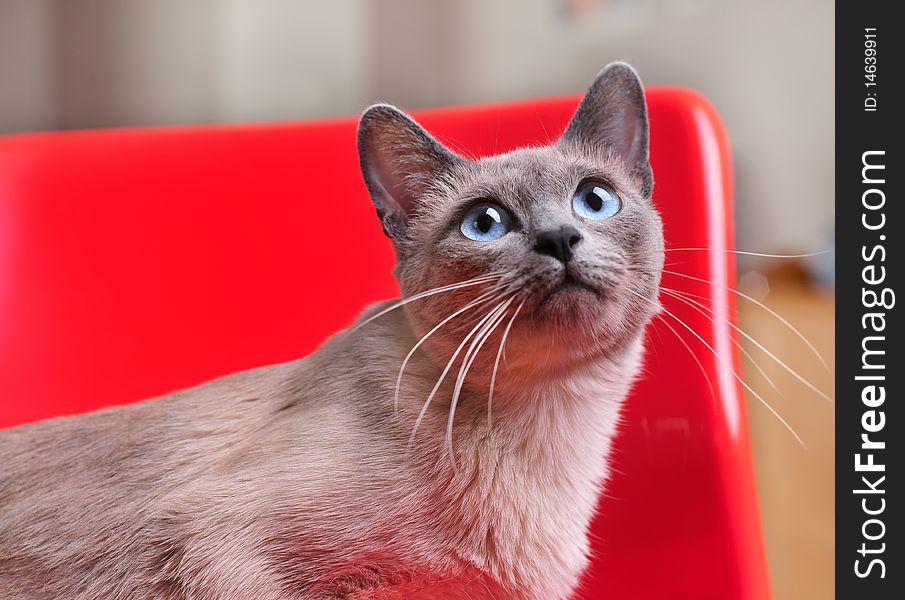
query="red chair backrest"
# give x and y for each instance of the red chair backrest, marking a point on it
(136, 262)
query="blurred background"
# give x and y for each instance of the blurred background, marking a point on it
(767, 66)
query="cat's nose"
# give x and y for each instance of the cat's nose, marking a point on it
(558, 243)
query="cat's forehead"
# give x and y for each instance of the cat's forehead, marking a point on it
(545, 168)
(528, 163)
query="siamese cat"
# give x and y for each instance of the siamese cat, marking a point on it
(449, 445)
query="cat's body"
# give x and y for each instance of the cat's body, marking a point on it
(229, 491)
(336, 477)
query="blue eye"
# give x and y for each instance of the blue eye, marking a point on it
(595, 201)
(486, 222)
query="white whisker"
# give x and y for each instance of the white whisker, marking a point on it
(496, 363)
(426, 293)
(443, 376)
(486, 296)
(764, 307)
(760, 346)
(499, 314)
(760, 254)
(711, 317)
(693, 355)
(729, 367)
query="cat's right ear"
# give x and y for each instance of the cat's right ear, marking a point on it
(613, 116)
(401, 163)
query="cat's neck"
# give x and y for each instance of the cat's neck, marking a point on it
(523, 402)
(525, 481)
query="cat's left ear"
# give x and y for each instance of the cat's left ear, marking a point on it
(401, 163)
(613, 116)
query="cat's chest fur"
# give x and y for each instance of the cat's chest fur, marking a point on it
(516, 503)
(533, 489)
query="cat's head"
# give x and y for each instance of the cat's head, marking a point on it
(564, 234)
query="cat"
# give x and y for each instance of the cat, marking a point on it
(449, 445)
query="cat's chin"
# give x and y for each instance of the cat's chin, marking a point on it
(570, 295)
(570, 306)
(553, 346)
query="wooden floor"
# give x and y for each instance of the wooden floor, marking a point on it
(795, 484)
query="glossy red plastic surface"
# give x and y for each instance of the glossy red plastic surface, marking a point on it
(136, 262)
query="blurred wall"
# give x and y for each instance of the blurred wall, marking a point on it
(134, 63)
(285, 59)
(27, 66)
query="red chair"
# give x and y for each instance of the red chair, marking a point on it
(135, 262)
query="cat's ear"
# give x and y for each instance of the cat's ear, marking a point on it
(400, 162)
(613, 116)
